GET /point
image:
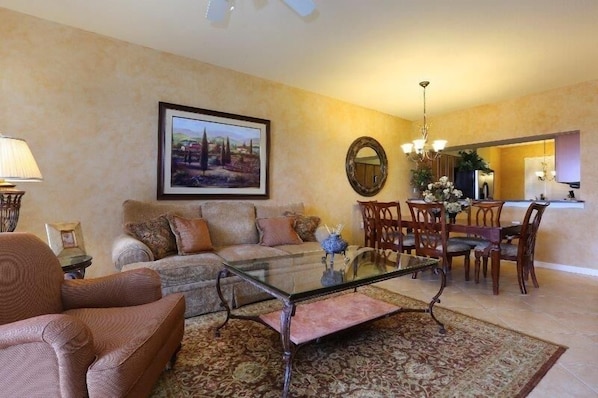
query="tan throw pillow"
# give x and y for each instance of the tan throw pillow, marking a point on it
(156, 235)
(192, 235)
(277, 231)
(305, 226)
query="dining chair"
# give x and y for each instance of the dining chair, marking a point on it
(389, 232)
(368, 214)
(522, 252)
(431, 235)
(484, 213)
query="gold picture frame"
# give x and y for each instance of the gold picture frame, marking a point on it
(66, 238)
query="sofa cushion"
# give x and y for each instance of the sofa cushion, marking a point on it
(192, 235)
(137, 211)
(305, 226)
(247, 252)
(179, 270)
(268, 211)
(156, 234)
(277, 231)
(230, 223)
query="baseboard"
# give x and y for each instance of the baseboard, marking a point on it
(566, 268)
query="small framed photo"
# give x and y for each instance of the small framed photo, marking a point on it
(66, 239)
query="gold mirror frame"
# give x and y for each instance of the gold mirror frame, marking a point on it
(350, 166)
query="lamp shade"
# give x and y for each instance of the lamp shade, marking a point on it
(16, 161)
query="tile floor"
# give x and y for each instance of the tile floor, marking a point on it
(563, 310)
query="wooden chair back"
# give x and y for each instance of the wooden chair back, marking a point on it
(368, 215)
(485, 213)
(429, 227)
(389, 234)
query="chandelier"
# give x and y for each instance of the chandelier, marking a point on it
(419, 150)
(545, 175)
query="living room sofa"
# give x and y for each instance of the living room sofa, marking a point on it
(186, 243)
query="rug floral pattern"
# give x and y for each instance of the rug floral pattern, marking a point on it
(400, 356)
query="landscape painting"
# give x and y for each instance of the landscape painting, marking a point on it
(212, 154)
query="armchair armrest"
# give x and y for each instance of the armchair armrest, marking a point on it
(128, 288)
(126, 250)
(33, 347)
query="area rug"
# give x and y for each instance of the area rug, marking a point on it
(399, 356)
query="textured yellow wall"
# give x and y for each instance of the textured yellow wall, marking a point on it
(88, 107)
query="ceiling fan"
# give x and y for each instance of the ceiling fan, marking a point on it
(218, 9)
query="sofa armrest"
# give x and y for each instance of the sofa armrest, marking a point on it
(126, 250)
(54, 345)
(127, 288)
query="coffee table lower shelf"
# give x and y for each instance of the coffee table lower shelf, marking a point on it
(324, 317)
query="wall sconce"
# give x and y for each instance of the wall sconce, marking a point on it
(17, 164)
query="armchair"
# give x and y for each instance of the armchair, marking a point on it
(104, 337)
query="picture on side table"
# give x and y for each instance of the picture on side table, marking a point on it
(210, 154)
(66, 238)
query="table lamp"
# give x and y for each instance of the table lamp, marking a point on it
(16, 165)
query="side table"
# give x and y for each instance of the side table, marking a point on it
(74, 266)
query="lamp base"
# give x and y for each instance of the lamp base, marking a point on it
(10, 204)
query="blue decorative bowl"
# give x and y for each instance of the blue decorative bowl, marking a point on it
(334, 244)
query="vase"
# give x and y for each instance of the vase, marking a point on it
(452, 217)
(334, 243)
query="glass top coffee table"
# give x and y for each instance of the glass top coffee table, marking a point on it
(294, 279)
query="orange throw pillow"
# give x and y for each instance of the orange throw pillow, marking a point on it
(192, 235)
(277, 231)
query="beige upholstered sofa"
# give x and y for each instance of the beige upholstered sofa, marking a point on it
(192, 267)
(102, 337)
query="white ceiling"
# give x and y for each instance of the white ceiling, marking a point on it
(371, 53)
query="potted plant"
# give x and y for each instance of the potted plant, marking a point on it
(470, 168)
(470, 161)
(420, 178)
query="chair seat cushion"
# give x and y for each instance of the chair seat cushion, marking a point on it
(127, 339)
(507, 250)
(472, 241)
(409, 240)
(455, 246)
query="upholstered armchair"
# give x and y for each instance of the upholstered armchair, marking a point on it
(104, 337)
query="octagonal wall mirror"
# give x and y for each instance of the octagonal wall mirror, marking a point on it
(366, 166)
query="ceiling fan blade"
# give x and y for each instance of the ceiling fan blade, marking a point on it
(301, 7)
(217, 10)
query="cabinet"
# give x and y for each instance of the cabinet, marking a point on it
(444, 165)
(567, 158)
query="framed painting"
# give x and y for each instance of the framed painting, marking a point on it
(206, 154)
(66, 238)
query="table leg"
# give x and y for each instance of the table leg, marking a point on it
(222, 274)
(285, 334)
(436, 298)
(495, 265)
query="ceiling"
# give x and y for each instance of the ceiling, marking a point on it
(371, 53)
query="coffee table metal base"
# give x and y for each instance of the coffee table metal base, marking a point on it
(289, 311)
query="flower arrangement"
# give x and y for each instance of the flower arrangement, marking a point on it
(444, 191)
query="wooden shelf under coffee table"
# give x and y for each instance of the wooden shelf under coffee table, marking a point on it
(294, 279)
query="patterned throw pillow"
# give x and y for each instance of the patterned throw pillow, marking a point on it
(305, 226)
(277, 231)
(192, 235)
(156, 234)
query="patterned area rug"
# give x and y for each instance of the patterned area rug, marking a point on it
(400, 356)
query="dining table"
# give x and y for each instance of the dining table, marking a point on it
(494, 234)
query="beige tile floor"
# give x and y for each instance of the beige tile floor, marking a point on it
(563, 310)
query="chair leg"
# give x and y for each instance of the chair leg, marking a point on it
(476, 272)
(170, 364)
(466, 266)
(520, 277)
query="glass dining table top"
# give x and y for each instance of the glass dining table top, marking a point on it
(302, 276)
